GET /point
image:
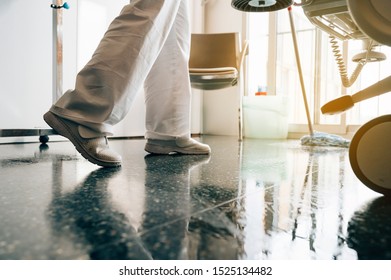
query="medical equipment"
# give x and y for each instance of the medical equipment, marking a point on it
(370, 22)
(369, 151)
(346, 102)
(261, 5)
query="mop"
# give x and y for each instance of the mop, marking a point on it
(315, 138)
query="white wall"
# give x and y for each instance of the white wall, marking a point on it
(221, 17)
(26, 61)
(26, 58)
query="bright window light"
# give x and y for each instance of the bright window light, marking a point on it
(272, 64)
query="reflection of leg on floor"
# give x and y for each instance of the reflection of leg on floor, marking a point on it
(86, 216)
(181, 222)
(167, 210)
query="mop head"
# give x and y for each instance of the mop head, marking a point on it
(324, 139)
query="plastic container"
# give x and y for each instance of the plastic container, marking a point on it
(265, 117)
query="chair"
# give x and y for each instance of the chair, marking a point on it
(216, 62)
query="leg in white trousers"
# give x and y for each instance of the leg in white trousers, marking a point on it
(146, 45)
(167, 87)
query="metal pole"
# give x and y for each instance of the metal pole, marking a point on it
(57, 51)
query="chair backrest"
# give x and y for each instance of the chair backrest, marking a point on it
(214, 50)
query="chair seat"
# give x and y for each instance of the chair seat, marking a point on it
(219, 70)
(213, 78)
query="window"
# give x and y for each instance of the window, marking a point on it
(272, 64)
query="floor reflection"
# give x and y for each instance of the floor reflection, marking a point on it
(167, 208)
(84, 218)
(369, 230)
(256, 199)
(304, 205)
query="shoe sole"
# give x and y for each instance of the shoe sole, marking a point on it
(166, 150)
(63, 129)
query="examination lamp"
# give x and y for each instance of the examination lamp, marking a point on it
(260, 5)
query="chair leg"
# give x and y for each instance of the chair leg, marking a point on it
(240, 124)
(240, 112)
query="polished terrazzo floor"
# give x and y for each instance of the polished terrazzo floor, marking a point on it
(259, 199)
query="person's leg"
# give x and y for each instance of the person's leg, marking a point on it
(168, 93)
(107, 85)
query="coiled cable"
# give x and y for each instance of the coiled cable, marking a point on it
(346, 81)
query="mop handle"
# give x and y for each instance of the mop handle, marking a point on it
(293, 31)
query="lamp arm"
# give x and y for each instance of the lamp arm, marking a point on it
(379, 88)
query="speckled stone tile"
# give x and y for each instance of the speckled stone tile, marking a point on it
(256, 199)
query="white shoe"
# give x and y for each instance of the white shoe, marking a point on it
(187, 146)
(96, 150)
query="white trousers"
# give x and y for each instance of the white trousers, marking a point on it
(148, 45)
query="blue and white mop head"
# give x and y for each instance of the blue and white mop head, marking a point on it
(324, 139)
